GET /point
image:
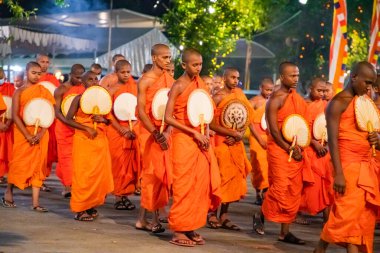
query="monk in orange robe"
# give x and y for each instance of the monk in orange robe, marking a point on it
(92, 168)
(44, 62)
(258, 141)
(283, 198)
(6, 129)
(156, 174)
(28, 164)
(352, 219)
(229, 149)
(64, 134)
(317, 196)
(196, 178)
(123, 144)
(329, 92)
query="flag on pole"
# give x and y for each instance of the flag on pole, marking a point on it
(338, 46)
(374, 46)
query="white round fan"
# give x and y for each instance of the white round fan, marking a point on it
(200, 109)
(295, 126)
(124, 107)
(8, 113)
(320, 129)
(263, 123)
(159, 102)
(38, 112)
(96, 100)
(49, 86)
(66, 103)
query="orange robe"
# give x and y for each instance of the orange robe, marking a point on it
(233, 163)
(156, 175)
(125, 154)
(64, 135)
(28, 164)
(6, 138)
(317, 195)
(92, 168)
(196, 178)
(52, 150)
(283, 198)
(353, 215)
(259, 161)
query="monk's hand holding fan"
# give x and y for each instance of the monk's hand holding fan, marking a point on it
(373, 138)
(160, 139)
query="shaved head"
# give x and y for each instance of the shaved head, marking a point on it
(285, 65)
(40, 56)
(228, 70)
(158, 48)
(188, 52)
(121, 63)
(361, 67)
(117, 57)
(32, 64)
(316, 81)
(77, 68)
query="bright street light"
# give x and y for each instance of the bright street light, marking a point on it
(302, 1)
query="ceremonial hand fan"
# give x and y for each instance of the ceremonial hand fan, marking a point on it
(235, 115)
(367, 116)
(200, 109)
(319, 128)
(66, 103)
(124, 108)
(97, 101)
(38, 112)
(263, 123)
(8, 113)
(296, 130)
(159, 102)
(49, 86)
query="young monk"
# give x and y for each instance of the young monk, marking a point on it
(19, 79)
(208, 81)
(156, 174)
(171, 69)
(317, 196)
(376, 95)
(353, 213)
(196, 176)
(92, 169)
(123, 144)
(258, 141)
(44, 62)
(109, 80)
(229, 148)
(28, 164)
(283, 197)
(329, 93)
(6, 130)
(63, 132)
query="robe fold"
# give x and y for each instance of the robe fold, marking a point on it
(283, 198)
(317, 195)
(92, 169)
(64, 135)
(6, 138)
(353, 215)
(259, 162)
(28, 164)
(156, 176)
(125, 154)
(196, 177)
(233, 163)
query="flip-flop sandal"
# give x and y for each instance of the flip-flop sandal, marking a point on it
(144, 228)
(3, 180)
(227, 224)
(120, 205)
(128, 203)
(292, 239)
(40, 209)
(213, 224)
(8, 204)
(45, 188)
(137, 192)
(93, 212)
(156, 229)
(258, 224)
(197, 238)
(67, 195)
(83, 216)
(183, 242)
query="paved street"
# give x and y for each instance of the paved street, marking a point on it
(23, 230)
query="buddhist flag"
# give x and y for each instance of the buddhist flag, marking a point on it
(374, 46)
(338, 46)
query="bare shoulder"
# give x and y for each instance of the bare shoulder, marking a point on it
(340, 102)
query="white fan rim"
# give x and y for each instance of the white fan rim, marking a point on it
(50, 89)
(315, 135)
(364, 129)
(64, 101)
(290, 139)
(206, 121)
(119, 98)
(160, 91)
(105, 92)
(42, 124)
(8, 112)
(263, 122)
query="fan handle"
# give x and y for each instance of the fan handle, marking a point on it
(36, 125)
(323, 138)
(95, 111)
(370, 130)
(293, 145)
(162, 124)
(202, 120)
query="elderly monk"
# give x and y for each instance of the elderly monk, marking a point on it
(156, 174)
(229, 148)
(6, 129)
(258, 141)
(196, 178)
(28, 164)
(283, 197)
(351, 222)
(92, 169)
(317, 195)
(123, 143)
(64, 134)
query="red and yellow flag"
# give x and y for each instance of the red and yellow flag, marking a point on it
(338, 46)
(374, 46)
